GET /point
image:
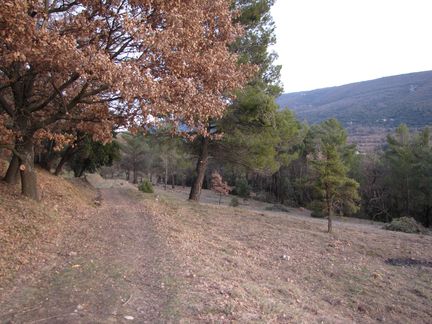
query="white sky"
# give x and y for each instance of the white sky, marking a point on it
(324, 43)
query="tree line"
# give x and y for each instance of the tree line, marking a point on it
(296, 165)
(196, 87)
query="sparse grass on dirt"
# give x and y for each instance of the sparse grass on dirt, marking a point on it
(108, 267)
(246, 265)
(159, 258)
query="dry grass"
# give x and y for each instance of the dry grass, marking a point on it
(28, 228)
(254, 266)
(217, 263)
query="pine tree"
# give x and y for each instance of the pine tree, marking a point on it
(134, 150)
(335, 190)
(248, 128)
(408, 160)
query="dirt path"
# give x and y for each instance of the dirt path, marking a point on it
(112, 268)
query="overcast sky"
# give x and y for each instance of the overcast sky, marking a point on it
(324, 43)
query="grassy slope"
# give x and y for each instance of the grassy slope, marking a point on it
(257, 266)
(237, 264)
(29, 230)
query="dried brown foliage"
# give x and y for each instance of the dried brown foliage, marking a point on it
(86, 65)
(218, 184)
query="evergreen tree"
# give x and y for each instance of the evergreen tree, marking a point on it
(422, 177)
(247, 126)
(90, 155)
(134, 151)
(407, 159)
(335, 190)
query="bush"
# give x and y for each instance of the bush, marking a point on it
(234, 202)
(146, 186)
(242, 188)
(406, 225)
(317, 208)
(317, 214)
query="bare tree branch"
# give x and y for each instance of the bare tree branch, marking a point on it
(50, 98)
(6, 106)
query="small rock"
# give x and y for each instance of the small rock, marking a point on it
(80, 307)
(285, 257)
(189, 274)
(129, 318)
(73, 253)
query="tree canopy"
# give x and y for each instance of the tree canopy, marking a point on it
(89, 65)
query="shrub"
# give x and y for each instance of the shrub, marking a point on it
(234, 202)
(406, 225)
(317, 209)
(146, 186)
(218, 185)
(317, 214)
(242, 188)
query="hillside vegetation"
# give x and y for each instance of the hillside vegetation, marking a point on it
(248, 265)
(385, 102)
(157, 257)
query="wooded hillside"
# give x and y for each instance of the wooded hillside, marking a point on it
(385, 102)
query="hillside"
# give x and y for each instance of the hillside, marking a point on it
(29, 230)
(149, 258)
(384, 102)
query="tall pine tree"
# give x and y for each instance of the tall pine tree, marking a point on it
(249, 126)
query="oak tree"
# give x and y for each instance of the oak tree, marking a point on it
(218, 185)
(89, 64)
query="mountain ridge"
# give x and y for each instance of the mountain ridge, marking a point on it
(383, 102)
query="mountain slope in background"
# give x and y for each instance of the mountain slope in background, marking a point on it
(383, 103)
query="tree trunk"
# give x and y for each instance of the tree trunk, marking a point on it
(329, 217)
(201, 167)
(11, 176)
(172, 180)
(166, 174)
(27, 169)
(66, 157)
(330, 225)
(135, 175)
(46, 159)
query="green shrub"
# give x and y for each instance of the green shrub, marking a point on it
(234, 202)
(242, 188)
(406, 225)
(317, 209)
(317, 214)
(146, 186)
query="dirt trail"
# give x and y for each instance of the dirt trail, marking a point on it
(112, 268)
